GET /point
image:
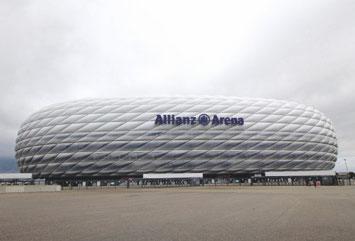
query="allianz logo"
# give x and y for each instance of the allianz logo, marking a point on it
(202, 119)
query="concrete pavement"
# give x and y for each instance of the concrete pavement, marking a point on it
(232, 213)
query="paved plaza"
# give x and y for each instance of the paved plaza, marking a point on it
(231, 213)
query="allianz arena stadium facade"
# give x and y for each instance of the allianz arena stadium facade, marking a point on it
(211, 135)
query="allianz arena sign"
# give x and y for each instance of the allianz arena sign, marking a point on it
(202, 119)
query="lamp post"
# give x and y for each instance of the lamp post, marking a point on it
(347, 170)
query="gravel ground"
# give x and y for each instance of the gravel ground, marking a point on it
(235, 213)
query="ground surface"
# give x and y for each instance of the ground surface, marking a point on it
(246, 213)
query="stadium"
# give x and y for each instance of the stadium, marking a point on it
(215, 136)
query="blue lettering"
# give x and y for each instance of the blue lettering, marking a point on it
(227, 121)
(158, 120)
(178, 121)
(202, 119)
(186, 120)
(215, 120)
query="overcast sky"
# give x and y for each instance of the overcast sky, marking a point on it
(53, 51)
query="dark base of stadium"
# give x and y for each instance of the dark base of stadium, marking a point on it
(240, 179)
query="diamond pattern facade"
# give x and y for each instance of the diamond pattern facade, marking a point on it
(119, 137)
